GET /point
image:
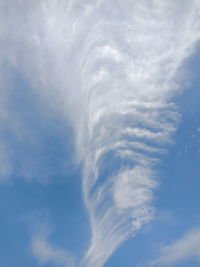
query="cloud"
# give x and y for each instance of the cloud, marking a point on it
(110, 69)
(42, 246)
(127, 89)
(45, 252)
(184, 248)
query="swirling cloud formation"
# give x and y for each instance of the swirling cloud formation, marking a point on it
(111, 68)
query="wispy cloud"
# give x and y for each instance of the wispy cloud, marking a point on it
(111, 68)
(184, 248)
(45, 252)
(128, 77)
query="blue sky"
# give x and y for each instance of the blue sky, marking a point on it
(99, 135)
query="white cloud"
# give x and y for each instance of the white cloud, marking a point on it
(133, 188)
(110, 68)
(45, 252)
(129, 105)
(184, 248)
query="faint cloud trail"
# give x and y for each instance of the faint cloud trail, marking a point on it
(45, 252)
(186, 247)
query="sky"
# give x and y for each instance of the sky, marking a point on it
(99, 133)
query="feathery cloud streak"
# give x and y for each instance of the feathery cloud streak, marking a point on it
(186, 247)
(111, 69)
(45, 252)
(128, 77)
